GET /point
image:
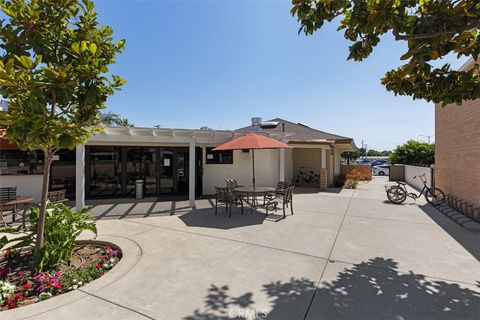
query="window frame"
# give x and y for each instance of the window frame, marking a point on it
(217, 157)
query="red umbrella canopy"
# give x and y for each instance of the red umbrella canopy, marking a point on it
(251, 141)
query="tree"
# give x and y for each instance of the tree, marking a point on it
(114, 119)
(374, 153)
(53, 63)
(414, 153)
(432, 29)
(386, 153)
(351, 154)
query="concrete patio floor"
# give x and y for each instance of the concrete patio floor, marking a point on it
(343, 255)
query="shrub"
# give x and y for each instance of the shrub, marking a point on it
(74, 278)
(339, 181)
(62, 227)
(352, 179)
(356, 175)
(351, 184)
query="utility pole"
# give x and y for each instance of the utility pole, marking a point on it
(364, 149)
(427, 136)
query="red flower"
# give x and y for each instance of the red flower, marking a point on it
(98, 266)
(106, 258)
(49, 282)
(58, 286)
(27, 286)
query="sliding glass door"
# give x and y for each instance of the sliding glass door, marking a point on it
(113, 171)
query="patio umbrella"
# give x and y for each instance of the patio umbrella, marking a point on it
(252, 141)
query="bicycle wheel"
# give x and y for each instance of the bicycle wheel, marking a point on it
(396, 195)
(435, 196)
(297, 180)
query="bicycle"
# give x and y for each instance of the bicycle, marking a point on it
(303, 176)
(398, 194)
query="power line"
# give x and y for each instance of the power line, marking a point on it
(379, 123)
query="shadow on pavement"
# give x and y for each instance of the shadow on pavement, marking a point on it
(206, 218)
(372, 289)
(468, 238)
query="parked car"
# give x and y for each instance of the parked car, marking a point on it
(363, 161)
(381, 170)
(375, 163)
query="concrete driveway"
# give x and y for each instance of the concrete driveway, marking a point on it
(342, 255)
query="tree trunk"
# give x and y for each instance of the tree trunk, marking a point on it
(43, 206)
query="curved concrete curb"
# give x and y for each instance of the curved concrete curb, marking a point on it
(131, 254)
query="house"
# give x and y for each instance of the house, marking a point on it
(457, 148)
(312, 149)
(176, 162)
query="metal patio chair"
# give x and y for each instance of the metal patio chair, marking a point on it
(282, 197)
(229, 198)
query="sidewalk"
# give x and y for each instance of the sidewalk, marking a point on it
(344, 255)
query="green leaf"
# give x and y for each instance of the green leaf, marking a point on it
(25, 61)
(76, 47)
(93, 48)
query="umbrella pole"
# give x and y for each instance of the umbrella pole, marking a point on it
(253, 167)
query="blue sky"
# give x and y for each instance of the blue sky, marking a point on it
(218, 63)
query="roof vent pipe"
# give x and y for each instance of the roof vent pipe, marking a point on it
(257, 124)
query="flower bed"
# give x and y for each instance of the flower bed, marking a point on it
(18, 286)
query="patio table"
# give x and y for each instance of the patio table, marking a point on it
(253, 192)
(14, 203)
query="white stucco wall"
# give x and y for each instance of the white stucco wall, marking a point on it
(27, 185)
(266, 170)
(411, 171)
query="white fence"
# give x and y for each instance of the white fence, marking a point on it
(411, 171)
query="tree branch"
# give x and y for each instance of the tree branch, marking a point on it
(468, 26)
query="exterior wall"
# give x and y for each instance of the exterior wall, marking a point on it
(412, 171)
(288, 165)
(337, 163)
(365, 169)
(457, 150)
(308, 158)
(27, 185)
(266, 170)
(330, 160)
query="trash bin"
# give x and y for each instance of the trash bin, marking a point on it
(139, 189)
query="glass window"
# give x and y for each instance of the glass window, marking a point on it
(63, 172)
(219, 157)
(15, 162)
(105, 171)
